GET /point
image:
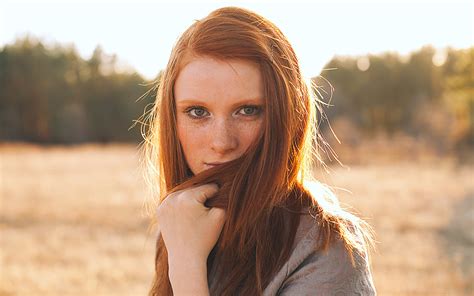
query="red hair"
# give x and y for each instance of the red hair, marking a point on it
(262, 191)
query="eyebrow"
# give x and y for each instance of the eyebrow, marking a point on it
(252, 101)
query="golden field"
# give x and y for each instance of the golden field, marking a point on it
(72, 222)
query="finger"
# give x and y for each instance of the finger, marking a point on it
(204, 192)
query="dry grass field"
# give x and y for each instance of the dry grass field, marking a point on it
(71, 222)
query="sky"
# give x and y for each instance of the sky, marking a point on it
(142, 33)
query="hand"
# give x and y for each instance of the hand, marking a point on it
(189, 229)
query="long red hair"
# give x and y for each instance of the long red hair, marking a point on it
(262, 191)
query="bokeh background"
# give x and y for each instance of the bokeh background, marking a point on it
(76, 77)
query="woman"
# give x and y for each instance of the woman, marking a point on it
(230, 143)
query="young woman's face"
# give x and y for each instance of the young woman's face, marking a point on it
(219, 106)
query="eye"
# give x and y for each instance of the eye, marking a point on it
(249, 110)
(196, 112)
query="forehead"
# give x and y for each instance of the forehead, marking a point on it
(214, 79)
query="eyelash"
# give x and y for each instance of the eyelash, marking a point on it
(257, 111)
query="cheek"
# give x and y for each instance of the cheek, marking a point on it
(250, 132)
(191, 137)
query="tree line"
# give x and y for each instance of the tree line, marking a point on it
(428, 94)
(50, 94)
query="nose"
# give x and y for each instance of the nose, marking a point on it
(224, 138)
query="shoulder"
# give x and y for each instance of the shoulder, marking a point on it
(312, 271)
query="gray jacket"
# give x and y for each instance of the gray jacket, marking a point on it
(310, 272)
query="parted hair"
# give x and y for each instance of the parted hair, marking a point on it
(264, 190)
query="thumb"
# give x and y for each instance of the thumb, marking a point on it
(205, 191)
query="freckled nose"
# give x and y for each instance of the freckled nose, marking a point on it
(224, 137)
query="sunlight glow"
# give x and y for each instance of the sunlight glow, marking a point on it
(363, 63)
(439, 58)
(142, 33)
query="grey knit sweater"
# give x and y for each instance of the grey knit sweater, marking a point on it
(310, 272)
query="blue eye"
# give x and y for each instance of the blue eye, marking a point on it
(250, 110)
(196, 112)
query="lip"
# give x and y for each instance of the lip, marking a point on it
(214, 163)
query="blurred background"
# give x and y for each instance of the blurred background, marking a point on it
(76, 76)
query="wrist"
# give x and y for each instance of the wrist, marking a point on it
(188, 277)
(178, 267)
